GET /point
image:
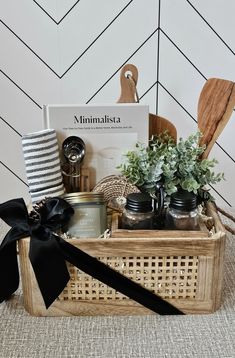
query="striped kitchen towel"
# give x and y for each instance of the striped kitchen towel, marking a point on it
(42, 162)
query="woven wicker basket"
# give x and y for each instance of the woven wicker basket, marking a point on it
(183, 267)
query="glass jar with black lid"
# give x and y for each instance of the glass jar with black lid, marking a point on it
(182, 213)
(138, 212)
(89, 219)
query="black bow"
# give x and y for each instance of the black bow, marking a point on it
(48, 254)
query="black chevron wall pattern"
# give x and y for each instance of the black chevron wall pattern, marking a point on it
(72, 52)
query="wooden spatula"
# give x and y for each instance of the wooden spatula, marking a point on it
(128, 80)
(215, 107)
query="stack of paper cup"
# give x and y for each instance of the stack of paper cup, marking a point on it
(42, 162)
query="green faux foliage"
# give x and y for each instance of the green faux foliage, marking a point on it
(175, 165)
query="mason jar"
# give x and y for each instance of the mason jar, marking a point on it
(182, 213)
(138, 212)
(89, 219)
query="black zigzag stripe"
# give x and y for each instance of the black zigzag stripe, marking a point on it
(119, 68)
(11, 171)
(100, 34)
(26, 94)
(158, 52)
(148, 90)
(28, 47)
(166, 90)
(216, 33)
(56, 22)
(8, 124)
(226, 201)
(80, 56)
(182, 53)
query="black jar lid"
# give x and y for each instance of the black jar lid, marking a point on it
(183, 200)
(139, 202)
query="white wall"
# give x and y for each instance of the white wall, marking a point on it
(72, 52)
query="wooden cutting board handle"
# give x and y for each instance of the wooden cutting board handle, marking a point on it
(158, 125)
(128, 85)
(129, 94)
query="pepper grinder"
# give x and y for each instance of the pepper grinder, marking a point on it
(73, 149)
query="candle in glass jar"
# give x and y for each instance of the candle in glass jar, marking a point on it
(89, 219)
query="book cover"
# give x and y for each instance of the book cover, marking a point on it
(108, 131)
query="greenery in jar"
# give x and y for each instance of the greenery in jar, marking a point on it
(175, 165)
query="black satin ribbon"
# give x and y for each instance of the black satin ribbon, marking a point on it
(48, 254)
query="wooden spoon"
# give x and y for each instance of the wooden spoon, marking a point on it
(215, 107)
(128, 80)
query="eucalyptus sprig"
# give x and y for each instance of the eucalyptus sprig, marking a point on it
(175, 165)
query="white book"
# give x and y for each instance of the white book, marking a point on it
(108, 131)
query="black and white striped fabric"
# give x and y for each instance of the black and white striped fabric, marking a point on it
(42, 162)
